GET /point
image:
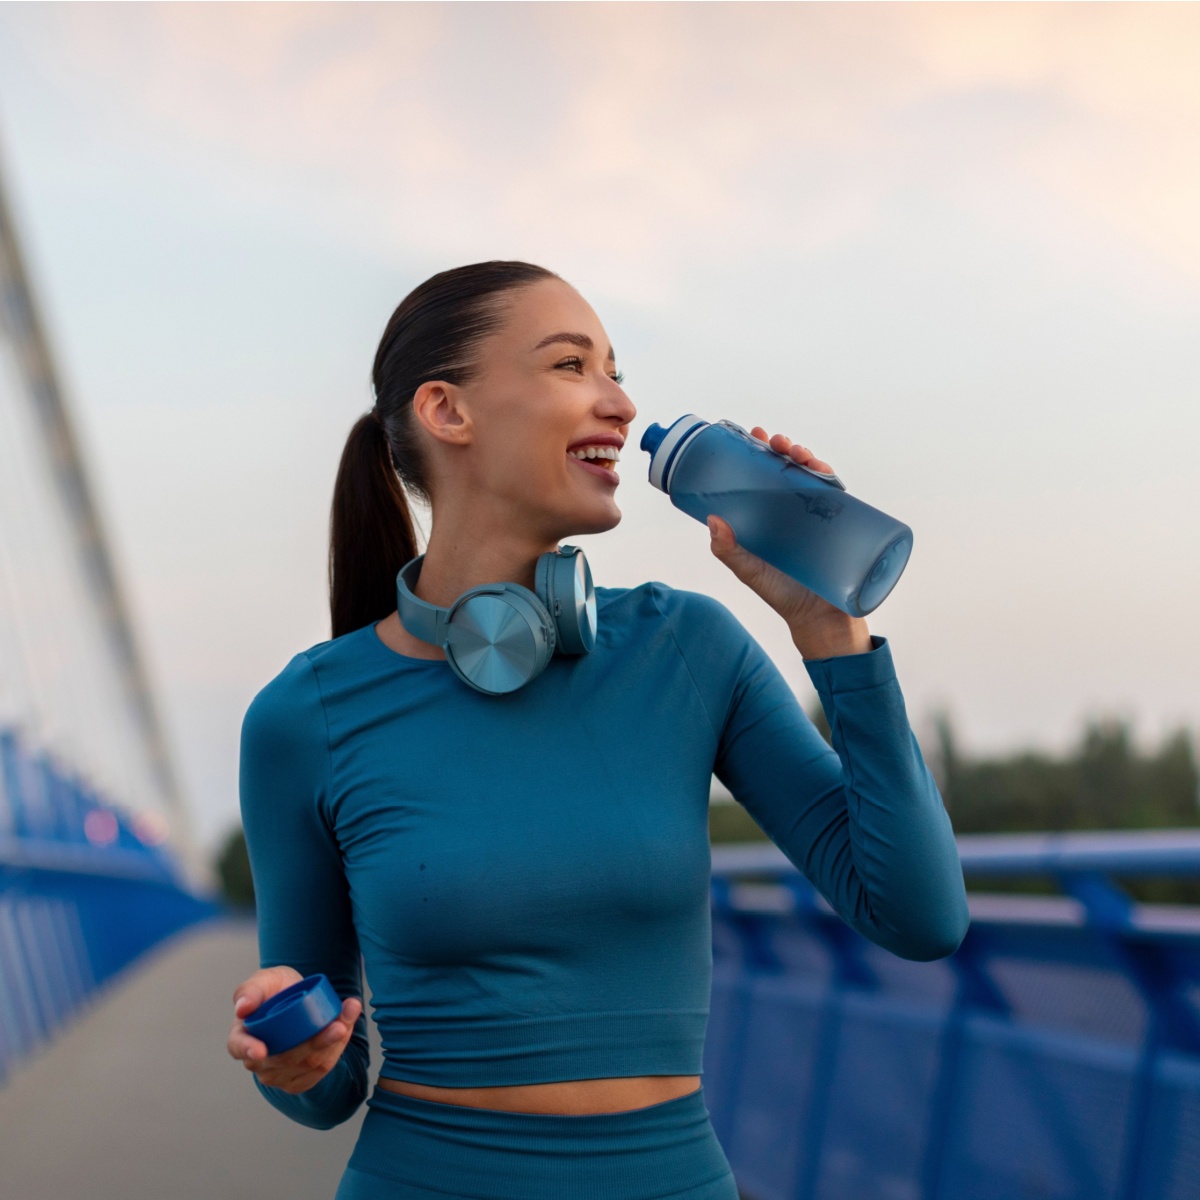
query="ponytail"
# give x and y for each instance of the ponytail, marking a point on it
(433, 335)
(371, 534)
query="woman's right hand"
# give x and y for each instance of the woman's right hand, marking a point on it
(303, 1066)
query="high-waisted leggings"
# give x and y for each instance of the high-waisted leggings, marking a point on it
(410, 1149)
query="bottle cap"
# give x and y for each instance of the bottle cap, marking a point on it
(665, 444)
(652, 437)
(295, 1014)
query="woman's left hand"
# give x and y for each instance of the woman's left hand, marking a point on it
(818, 629)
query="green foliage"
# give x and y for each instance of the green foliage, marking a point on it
(732, 823)
(233, 870)
(1105, 782)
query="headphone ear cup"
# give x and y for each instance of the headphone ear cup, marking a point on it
(498, 639)
(564, 585)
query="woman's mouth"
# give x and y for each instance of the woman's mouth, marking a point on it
(600, 461)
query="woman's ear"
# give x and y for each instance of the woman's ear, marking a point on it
(441, 410)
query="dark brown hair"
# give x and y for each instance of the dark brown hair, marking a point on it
(433, 334)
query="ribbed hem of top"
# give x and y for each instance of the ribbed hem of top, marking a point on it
(490, 1053)
(853, 672)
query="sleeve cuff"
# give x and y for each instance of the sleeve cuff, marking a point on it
(853, 672)
(323, 1106)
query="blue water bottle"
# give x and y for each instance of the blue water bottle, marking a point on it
(802, 521)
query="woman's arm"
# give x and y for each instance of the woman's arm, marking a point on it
(863, 820)
(301, 895)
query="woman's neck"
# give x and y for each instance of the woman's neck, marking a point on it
(453, 564)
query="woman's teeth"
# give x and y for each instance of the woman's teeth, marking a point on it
(607, 455)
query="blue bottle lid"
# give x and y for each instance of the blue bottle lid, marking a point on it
(652, 437)
(665, 444)
(295, 1014)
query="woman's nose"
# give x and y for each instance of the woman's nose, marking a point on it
(616, 404)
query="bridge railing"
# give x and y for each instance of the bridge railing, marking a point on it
(1055, 1055)
(85, 888)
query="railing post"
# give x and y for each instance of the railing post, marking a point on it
(849, 970)
(974, 991)
(1171, 1023)
(1108, 906)
(756, 956)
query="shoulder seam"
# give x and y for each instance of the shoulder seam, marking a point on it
(654, 589)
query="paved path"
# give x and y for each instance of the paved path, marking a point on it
(139, 1101)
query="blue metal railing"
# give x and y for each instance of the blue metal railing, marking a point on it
(1055, 1055)
(82, 894)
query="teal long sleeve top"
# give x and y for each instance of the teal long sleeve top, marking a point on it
(527, 877)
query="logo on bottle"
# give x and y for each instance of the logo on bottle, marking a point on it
(824, 507)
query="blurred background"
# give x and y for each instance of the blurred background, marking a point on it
(953, 248)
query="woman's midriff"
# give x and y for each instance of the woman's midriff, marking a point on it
(569, 1097)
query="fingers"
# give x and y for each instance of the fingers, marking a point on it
(337, 1032)
(244, 1047)
(798, 453)
(297, 1069)
(247, 996)
(724, 545)
(266, 982)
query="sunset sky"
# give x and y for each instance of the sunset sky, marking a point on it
(954, 248)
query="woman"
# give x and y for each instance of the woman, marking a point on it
(526, 874)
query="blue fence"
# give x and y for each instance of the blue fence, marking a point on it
(84, 890)
(1056, 1056)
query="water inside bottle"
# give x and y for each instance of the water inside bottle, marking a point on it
(815, 535)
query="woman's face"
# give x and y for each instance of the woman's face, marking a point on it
(544, 410)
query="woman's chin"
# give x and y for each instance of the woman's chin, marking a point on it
(594, 521)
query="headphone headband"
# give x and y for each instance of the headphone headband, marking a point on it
(422, 619)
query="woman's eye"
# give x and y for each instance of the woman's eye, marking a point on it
(575, 363)
(618, 378)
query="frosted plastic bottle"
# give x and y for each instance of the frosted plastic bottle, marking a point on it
(802, 521)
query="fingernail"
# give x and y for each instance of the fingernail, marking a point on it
(712, 526)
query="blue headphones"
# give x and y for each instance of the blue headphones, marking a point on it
(499, 636)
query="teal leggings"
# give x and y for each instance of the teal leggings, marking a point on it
(412, 1149)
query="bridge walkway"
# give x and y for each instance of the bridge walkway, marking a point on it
(137, 1099)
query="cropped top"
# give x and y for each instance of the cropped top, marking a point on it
(527, 877)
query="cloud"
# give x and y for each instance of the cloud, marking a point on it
(616, 139)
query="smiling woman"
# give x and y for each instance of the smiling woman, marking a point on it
(538, 939)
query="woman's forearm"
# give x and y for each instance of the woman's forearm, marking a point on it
(903, 857)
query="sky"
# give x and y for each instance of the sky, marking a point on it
(951, 247)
